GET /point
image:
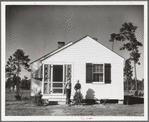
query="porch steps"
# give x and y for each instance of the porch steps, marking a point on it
(55, 99)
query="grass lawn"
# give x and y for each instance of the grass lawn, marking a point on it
(27, 108)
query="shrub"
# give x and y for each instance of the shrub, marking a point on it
(18, 97)
(78, 98)
(38, 99)
(25, 98)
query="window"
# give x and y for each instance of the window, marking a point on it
(47, 79)
(98, 73)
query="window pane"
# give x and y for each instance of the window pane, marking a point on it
(97, 77)
(100, 67)
(68, 71)
(94, 67)
(46, 71)
(45, 88)
(57, 90)
(100, 77)
(97, 67)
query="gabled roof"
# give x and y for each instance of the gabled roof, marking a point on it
(66, 46)
(53, 52)
(109, 49)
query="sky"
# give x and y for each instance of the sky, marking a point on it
(38, 28)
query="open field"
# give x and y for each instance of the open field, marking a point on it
(27, 108)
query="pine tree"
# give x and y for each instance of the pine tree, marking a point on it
(14, 64)
(128, 72)
(127, 34)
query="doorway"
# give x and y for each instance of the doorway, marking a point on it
(55, 76)
(57, 81)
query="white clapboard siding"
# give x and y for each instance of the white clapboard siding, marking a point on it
(88, 50)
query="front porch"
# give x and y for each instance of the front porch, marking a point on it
(52, 77)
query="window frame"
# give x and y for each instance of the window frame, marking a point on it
(47, 81)
(98, 82)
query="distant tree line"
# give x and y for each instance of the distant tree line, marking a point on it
(132, 85)
(16, 81)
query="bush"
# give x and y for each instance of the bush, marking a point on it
(18, 97)
(25, 98)
(38, 99)
(78, 98)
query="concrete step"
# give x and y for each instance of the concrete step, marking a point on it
(57, 102)
(50, 99)
(54, 100)
(54, 96)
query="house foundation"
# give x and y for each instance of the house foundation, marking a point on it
(120, 101)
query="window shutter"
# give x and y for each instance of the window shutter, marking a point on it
(89, 73)
(107, 73)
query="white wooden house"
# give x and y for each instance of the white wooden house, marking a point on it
(99, 70)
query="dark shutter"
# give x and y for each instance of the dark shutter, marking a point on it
(107, 73)
(89, 73)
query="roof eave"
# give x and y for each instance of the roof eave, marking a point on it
(51, 53)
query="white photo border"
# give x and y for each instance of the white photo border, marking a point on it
(74, 118)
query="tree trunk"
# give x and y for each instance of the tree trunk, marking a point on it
(17, 86)
(127, 84)
(112, 45)
(136, 77)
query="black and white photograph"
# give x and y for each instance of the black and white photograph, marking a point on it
(79, 61)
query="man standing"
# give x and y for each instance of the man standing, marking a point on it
(68, 91)
(77, 86)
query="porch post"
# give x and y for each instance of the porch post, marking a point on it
(49, 75)
(63, 77)
(43, 79)
(51, 78)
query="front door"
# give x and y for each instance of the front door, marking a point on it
(57, 79)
